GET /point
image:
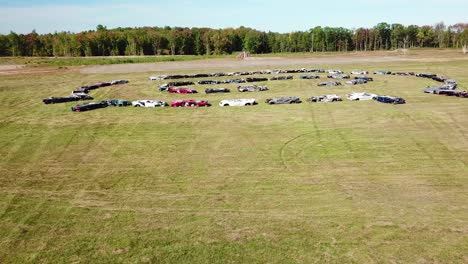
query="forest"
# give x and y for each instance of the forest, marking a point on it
(207, 41)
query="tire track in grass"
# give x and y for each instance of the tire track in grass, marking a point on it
(79, 195)
(290, 141)
(35, 213)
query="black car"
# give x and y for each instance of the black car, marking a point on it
(253, 79)
(55, 100)
(329, 84)
(426, 75)
(308, 76)
(88, 106)
(382, 72)
(217, 90)
(278, 78)
(369, 79)
(389, 99)
(172, 84)
(233, 81)
(284, 100)
(208, 82)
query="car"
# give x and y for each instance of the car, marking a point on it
(404, 73)
(217, 90)
(328, 84)
(117, 102)
(252, 88)
(103, 84)
(115, 82)
(389, 99)
(308, 76)
(233, 81)
(190, 103)
(88, 106)
(64, 99)
(284, 100)
(359, 72)
(278, 78)
(325, 98)
(80, 90)
(451, 82)
(426, 75)
(208, 82)
(448, 92)
(356, 81)
(335, 71)
(181, 90)
(149, 103)
(382, 72)
(158, 78)
(439, 79)
(254, 79)
(436, 89)
(338, 76)
(172, 84)
(361, 96)
(462, 94)
(164, 87)
(238, 102)
(369, 79)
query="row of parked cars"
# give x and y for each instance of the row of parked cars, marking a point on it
(81, 93)
(246, 88)
(362, 96)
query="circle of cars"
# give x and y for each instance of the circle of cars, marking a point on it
(448, 88)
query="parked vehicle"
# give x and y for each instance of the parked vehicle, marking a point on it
(252, 88)
(436, 89)
(181, 90)
(115, 82)
(389, 99)
(361, 96)
(233, 81)
(284, 100)
(329, 84)
(238, 102)
(149, 103)
(334, 71)
(117, 102)
(382, 72)
(74, 97)
(439, 79)
(359, 72)
(426, 75)
(172, 84)
(88, 106)
(338, 76)
(277, 78)
(256, 79)
(208, 82)
(369, 79)
(404, 73)
(308, 76)
(356, 81)
(158, 78)
(190, 103)
(462, 94)
(325, 98)
(217, 90)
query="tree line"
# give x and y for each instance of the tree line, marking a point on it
(207, 41)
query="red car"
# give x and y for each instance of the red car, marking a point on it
(182, 90)
(190, 103)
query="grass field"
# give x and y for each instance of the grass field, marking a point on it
(347, 182)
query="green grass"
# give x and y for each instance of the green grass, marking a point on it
(70, 61)
(347, 182)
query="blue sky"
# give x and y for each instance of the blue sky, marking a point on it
(281, 16)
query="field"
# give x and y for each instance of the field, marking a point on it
(346, 182)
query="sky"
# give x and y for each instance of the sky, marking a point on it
(48, 16)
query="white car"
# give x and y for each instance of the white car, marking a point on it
(149, 103)
(359, 72)
(158, 78)
(335, 71)
(114, 82)
(238, 102)
(361, 96)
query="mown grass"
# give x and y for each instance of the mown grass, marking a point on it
(83, 61)
(348, 182)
